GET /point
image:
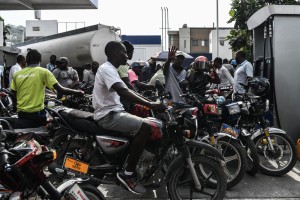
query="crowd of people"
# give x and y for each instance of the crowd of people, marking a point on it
(117, 85)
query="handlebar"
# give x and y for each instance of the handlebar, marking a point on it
(245, 86)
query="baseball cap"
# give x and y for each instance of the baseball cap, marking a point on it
(138, 64)
(233, 62)
(62, 60)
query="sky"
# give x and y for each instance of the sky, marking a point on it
(134, 17)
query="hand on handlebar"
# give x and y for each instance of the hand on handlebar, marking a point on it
(79, 93)
(157, 106)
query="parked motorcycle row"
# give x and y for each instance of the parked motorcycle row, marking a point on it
(198, 150)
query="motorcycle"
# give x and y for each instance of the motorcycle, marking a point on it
(102, 153)
(22, 175)
(231, 110)
(228, 145)
(277, 151)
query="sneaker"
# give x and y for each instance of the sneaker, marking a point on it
(132, 183)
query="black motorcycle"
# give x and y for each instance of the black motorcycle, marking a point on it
(102, 153)
(276, 150)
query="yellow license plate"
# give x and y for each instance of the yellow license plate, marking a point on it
(76, 165)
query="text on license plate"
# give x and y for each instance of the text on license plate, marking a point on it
(76, 165)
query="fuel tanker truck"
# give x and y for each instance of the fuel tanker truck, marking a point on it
(80, 46)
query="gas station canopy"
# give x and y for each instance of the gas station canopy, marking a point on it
(47, 4)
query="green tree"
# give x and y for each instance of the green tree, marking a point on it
(6, 31)
(240, 12)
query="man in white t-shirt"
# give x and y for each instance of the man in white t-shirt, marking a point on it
(110, 114)
(21, 63)
(223, 73)
(242, 72)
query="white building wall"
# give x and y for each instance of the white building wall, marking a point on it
(41, 28)
(185, 40)
(144, 52)
(224, 47)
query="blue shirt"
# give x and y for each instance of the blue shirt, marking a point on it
(50, 67)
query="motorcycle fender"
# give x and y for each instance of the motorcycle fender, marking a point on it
(69, 183)
(221, 135)
(271, 130)
(245, 133)
(208, 147)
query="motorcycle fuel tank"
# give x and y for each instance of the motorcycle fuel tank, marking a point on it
(112, 145)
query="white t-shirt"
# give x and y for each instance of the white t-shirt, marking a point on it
(240, 76)
(105, 98)
(13, 70)
(225, 77)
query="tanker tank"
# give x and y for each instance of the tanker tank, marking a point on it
(80, 46)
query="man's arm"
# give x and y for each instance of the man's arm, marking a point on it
(143, 86)
(67, 91)
(127, 82)
(249, 70)
(190, 75)
(228, 76)
(132, 97)
(171, 56)
(215, 77)
(75, 79)
(14, 100)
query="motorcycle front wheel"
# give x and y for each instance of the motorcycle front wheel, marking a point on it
(92, 192)
(281, 160)
(181, 185)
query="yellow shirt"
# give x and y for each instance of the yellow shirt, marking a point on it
(30, 84)
(123, 70)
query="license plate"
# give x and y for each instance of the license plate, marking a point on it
(76, 165)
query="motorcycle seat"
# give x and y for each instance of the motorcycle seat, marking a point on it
(84, 122)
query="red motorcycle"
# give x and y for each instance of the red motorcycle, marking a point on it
(22, 173)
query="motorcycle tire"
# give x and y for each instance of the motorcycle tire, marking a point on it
(251, 155)
(235, 164)
(181, 171)
(241, 160)
(92, 192)
(268, 159)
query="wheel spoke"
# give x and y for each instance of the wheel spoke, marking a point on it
(206, 180)
(184, 182)
(230, 158)
(228, 174)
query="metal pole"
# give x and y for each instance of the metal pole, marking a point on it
(162, 29)
(217, 28)
(165, 28)
(167, 40)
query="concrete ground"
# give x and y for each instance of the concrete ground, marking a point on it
(261, 186)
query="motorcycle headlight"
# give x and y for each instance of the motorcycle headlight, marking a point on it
(233, 108)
